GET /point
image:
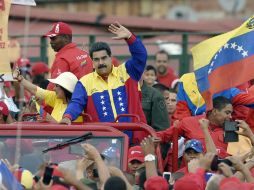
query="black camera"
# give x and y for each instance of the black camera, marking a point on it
(216, 161)
(230, 128)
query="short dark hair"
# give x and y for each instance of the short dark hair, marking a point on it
(98, 46)
(220, 102)
(150, 67)
(172, 90)
(115, 183)
(160, 87)
(162, 52)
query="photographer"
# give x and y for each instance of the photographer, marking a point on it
(190, 127)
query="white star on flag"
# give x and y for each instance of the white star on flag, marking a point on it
(102, 102)
(120, 98)
(103, 108)
(102, 97)
(121, 104)
(118, 93)
(245, 53)
(233, 45)
(226, 45)
(122, 109)
(240, 48)
(105, 113)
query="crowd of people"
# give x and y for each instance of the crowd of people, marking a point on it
(82, 82)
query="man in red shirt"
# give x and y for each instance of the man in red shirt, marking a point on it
(190, 128)
(68, 56)
(165, 74)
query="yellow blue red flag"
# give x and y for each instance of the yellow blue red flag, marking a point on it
(224, 61)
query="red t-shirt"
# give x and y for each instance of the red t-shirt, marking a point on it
(72, 59)
(189, 128)
(168, 78)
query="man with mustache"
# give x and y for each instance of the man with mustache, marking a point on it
(165, 74)
(69, 58)
(110, 91)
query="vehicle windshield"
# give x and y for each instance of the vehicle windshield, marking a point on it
(31, 157)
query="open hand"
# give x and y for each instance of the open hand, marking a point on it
(147, 145)
(91, 152)
(120, 31)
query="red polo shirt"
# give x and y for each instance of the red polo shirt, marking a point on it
(168, 78)
(71, 58)
(189, 128)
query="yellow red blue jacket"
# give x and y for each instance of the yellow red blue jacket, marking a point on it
(120, 95)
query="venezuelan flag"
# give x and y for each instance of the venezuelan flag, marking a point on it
(224, 61)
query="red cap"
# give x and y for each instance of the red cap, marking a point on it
(234, 183)
(136, 153)
(23, 62)
(58, 187)
(7, 84)
(59, 28)
(39, 68)
(4, 109)
(187, 183)
(156, 183)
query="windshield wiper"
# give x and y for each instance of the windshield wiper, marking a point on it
(70, 142)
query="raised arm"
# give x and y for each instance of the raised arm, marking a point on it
(136, 65)
(210, 146)
(93, 154)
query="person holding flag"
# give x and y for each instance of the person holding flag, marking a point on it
(220, 63)
(224, 61)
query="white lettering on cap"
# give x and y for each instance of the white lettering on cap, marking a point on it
(57, 29)
(133, 152)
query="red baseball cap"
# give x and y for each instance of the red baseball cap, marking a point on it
(4, 109)
(7, 84)
(136, 153)
(39, 68)
(58, 29)
(58, 187)
(187, 183)
(23, 62)
(233, 183)
(156, 183)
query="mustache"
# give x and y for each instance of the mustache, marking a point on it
(102, 66)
